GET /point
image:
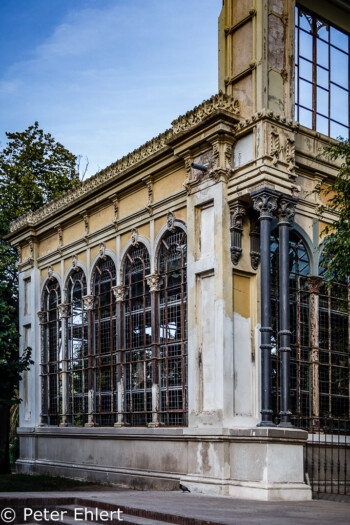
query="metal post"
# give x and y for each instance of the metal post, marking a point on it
(286, 212)
(265, 202)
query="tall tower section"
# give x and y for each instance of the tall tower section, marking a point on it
(256, 49)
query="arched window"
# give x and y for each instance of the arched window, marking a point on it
(52, 354)
(104, 343)
(334, 349)
(137, 331)
(77, 349)
(172, 350)
(299, 293)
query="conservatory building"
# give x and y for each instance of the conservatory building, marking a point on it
(180, 327)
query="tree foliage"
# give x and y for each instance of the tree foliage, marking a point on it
(336, 200)
(34, 169)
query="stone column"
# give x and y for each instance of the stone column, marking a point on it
(286, 212)
(153, 283)
(43, 369)
(265, 203)
(119, 293)
(89, 306)
(315, 285)
(63, 312)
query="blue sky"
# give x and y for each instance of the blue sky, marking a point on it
(104, 76)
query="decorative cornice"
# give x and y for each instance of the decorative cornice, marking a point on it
(218, 102)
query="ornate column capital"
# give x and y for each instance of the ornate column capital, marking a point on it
(42, 317)
(88, 302)
(315, 283)
(119, 292)
(265, 202)
(286, 210)
(153, 282)
(63, 310)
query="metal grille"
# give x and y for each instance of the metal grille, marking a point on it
(172, 351)
(320, 368)
(77, 349)
(299, 321)
(104, 343)
(52, 355)
(137, 355)
(321, 75)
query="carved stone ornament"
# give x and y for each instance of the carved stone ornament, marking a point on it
(254, 243)
(63, 310)
(88, 302)
(216, 103)
(275, 146)
(134, 237)
(170, 222)
(238, 211)
(115, 201)
(42, 317)
(149, 185)
(102, 250)
(75, 262)
(153, 282)
(50, 273)
(59, 232)
(286, 210)
(119, 292)
(265, 203)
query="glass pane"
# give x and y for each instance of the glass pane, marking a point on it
(305, 94)
(339, 105)
(306, 69)
(296, 15)
(339, 131)
(322, 53)
(305, 41)
(305, 22)
(339, 39)
(305, 117)
(322, 77)
(339, 68)
(296, 84)
(322, 124)
(322, 101)
(322, 30)
(296, 47)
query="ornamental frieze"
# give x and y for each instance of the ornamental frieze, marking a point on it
(218, 102)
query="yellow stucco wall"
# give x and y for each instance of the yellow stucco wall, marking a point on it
(101, 218)
(48, 245)
(169, 185)
(74, 232)
(133, 202)
(25, 252)
(241, 295)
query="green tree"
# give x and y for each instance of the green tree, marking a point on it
(336, 199)
(34, 169)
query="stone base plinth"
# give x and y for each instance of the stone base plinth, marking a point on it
(255, 463)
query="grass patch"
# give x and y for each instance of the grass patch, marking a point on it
(37, 483)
